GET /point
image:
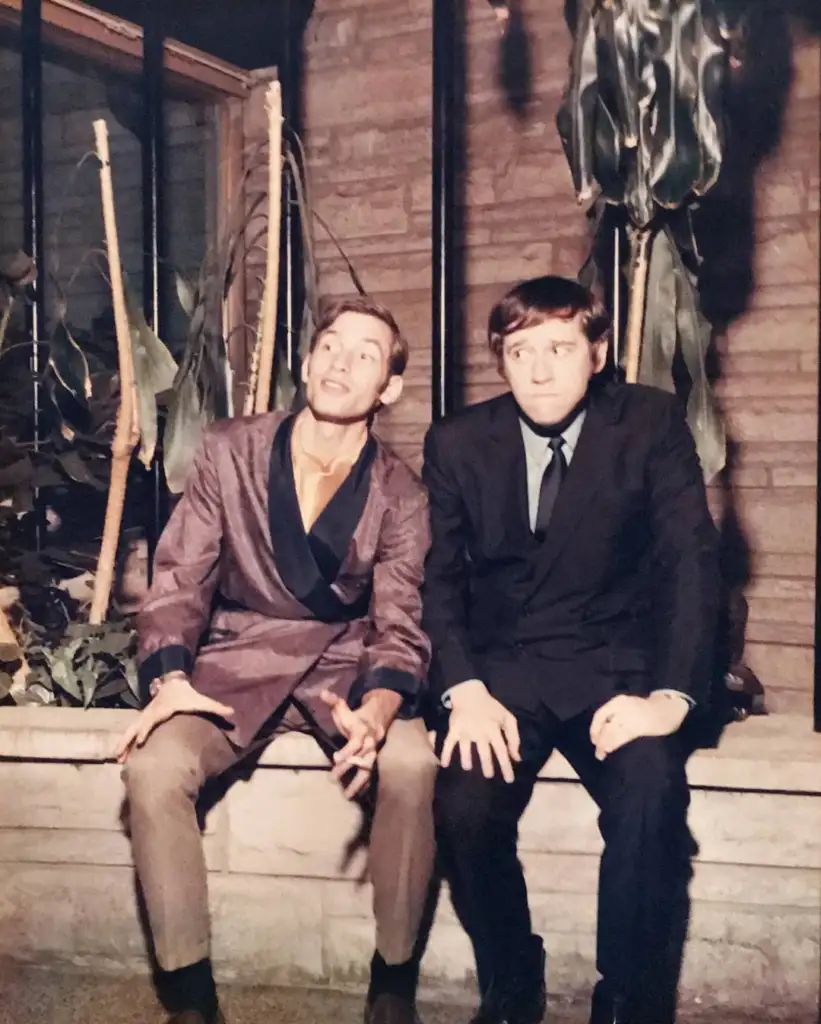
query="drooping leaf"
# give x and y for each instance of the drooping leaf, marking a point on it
(577, 113)
(186, 423)
(73, 463)
(132, 677)
(154, 373)
(69, 381)
(17, 473)
(186, 294)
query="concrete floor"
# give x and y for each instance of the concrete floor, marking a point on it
(37, 996)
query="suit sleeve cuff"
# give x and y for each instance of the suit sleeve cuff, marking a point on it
(677, 693)
(172, 658)
(404, 683)
(447, 700)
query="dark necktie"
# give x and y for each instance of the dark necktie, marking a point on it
(551, 482)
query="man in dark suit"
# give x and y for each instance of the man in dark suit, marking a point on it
(571, 594)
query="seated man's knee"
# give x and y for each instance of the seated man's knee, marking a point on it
(160, 771)
(407, 764)
(649, 772)
(464, 805)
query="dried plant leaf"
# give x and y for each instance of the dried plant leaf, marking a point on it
(154, 372)
(186, 423)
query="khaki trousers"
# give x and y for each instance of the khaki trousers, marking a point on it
(163, 779)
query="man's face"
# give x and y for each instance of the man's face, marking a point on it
(549, 367)
(348, 373)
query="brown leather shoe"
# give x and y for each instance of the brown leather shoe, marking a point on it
(391, 1009)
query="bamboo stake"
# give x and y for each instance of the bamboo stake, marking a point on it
(127, 431)
(638, 296)
(8, 595)
(273, 104)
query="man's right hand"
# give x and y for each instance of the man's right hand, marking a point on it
(477, 719)
(176, 696)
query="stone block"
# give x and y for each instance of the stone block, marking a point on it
(70, 913)
(83, 796)
(759, 419)
(782, 193)
(503, 265)
(364, 95)
(796, 329)
(267, 930)
(547, 177)
(383, 146)
(781, 665)
(738, 957)
(791, 257)
(328, 30)
(768, 829)
(270, 832)
(767, 385)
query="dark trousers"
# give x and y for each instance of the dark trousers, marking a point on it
(642, 794)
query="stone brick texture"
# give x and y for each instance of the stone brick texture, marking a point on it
(367, 122)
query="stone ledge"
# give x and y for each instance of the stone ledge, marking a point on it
(773, 753)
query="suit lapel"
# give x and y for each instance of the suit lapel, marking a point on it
(505, 460)
(586, 473)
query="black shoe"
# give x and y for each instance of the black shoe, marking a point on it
(519, 1007)
(607, 1008)
(391, 1009)
(195, 1017)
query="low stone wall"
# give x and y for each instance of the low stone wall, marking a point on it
(287, 909)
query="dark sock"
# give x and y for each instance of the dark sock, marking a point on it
(394, 979)
(192, 988)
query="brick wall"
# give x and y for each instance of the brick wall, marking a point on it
(74, 95)
(368, 121)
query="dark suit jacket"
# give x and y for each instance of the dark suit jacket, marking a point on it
(257, 610)
(622, 593)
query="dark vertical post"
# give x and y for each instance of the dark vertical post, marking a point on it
(154, 246)
(448, 161)
(31, 37)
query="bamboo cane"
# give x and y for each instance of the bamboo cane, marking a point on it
(8, 595)
(127, 430)
(640, 266)
(273, 104)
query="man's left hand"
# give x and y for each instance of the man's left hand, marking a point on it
(364, 729)
(626, 718)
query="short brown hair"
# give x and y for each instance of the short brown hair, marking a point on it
(328, 316)
(543, 298)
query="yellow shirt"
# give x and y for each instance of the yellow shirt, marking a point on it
(317, 482)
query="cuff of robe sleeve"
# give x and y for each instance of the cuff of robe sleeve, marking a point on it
(173, 658)
(404, 683)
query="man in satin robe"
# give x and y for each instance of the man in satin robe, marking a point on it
(286, 594)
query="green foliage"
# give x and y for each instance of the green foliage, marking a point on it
(73, 664)
(642, 123)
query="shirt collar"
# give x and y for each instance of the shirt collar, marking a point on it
(536, 445)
